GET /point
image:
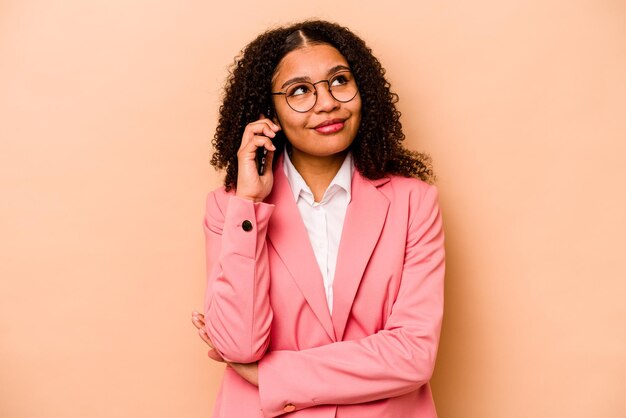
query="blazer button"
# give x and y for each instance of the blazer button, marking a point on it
(247, 225)
(289, 407)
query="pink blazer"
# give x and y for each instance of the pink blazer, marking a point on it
(265, 302)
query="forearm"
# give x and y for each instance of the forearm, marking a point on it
(237, 310)
(390, 363)
(396, 360)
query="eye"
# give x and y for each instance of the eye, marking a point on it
(298, 90)
(340, 80)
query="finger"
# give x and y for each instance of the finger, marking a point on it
(249, 137)
(273, 123)
(205, 337)
(198, 315)
(257, 141)
(269, 122)
(214, 355)
(263, 141)
(264, 129)
(197, 319)
(198, 323)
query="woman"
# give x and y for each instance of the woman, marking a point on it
(325, 272)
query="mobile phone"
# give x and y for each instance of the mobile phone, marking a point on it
(261, 152)
(261, 158)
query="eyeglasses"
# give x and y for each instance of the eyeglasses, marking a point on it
(301, 96)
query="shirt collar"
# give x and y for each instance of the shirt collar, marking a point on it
(342, 179)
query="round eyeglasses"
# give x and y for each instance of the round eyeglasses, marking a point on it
(301, 96)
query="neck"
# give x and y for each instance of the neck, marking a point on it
(317, 172)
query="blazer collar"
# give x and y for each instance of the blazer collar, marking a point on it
(364, 222)
(289, 237)
(365, 218)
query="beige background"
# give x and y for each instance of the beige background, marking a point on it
(107, 109)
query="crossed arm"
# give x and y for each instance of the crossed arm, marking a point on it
(397, 360)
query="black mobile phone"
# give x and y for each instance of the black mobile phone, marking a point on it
(261, 152)
(261, 157)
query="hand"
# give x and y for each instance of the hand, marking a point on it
(250, 371)
(257, 134)
(198, 320)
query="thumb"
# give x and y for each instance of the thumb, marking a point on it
(214, 355)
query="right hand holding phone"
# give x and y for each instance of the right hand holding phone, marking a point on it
(251, 185)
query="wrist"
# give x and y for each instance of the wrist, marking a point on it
(244, 196)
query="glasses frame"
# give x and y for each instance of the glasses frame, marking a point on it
(330, 90)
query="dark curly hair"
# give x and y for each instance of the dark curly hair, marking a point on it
(376, 149)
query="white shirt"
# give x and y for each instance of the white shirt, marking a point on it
(323, 220)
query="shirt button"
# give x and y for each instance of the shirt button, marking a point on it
(289, 407)
(246, 225)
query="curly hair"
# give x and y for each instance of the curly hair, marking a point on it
(376, 149)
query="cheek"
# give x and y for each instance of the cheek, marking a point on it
(290, 120)
(356, 108)
(293, 133)
(357, 116)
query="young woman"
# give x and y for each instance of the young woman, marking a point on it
(325, 272)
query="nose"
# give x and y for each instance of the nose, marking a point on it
(325, 101)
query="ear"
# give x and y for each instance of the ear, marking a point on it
(274, 116)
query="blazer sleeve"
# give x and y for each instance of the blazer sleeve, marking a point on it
(396, 360)
(237, 311)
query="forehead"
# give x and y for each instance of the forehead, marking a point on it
(312, 61)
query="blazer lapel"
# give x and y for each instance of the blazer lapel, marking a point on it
(288, 235)
(362, 227)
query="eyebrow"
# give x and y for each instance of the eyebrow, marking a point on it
(333, 70)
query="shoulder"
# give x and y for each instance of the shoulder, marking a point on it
(413, 189)
(402, 182)
(419, 202)
(411, 198)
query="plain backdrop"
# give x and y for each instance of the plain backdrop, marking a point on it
(107, 110)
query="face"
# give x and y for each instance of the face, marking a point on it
(328, 129)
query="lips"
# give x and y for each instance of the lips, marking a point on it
(330, 126)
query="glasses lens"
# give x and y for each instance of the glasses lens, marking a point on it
(343, 87)
(301, 96)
